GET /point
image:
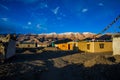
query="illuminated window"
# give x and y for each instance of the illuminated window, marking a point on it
(101, 45)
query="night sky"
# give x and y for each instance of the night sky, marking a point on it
(46, 16)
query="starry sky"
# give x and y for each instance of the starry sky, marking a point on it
(46, 16)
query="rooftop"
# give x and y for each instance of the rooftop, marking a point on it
(116, 35)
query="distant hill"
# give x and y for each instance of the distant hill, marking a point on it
(62, 36)
(69, 35)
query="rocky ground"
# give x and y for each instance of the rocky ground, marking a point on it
(61, 65)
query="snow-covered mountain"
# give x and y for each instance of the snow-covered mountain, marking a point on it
(70, 35)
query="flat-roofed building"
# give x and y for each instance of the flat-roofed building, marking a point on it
(95, 46)
(116, 44)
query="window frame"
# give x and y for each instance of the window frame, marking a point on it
(88, 46)
(101, 45)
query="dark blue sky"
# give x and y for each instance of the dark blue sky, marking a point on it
(45, 16)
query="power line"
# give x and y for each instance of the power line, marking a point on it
(107, 27)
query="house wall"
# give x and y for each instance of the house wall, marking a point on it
(116, 44)
(94, 47)
(67, 46)
(42, 45)
(107, 47)
(82, 46)
(73, 45)
(63, 46)
(91, 49)
(26, 46)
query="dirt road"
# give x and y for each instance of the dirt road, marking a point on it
(61, 65)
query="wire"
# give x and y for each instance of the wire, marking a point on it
(107, 27)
